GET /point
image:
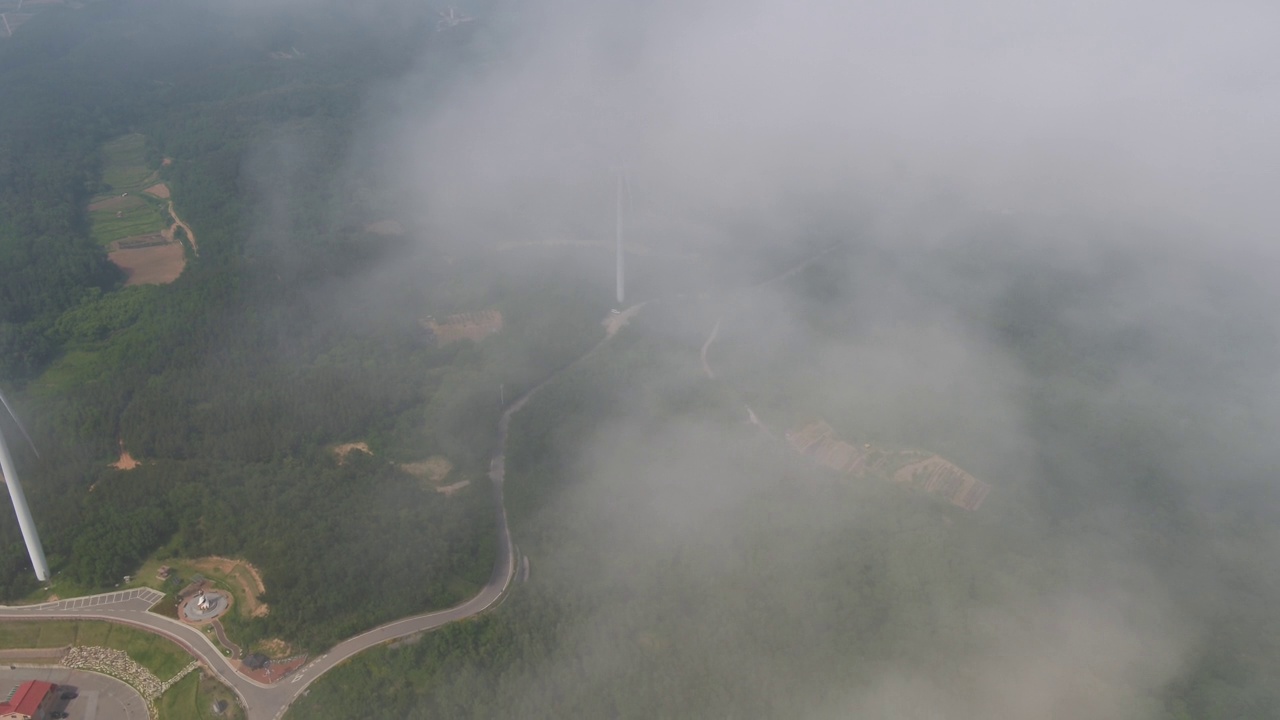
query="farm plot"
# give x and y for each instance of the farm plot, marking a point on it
(155, 263)
(120, 217)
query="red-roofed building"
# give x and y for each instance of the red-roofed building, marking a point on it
(29, 701)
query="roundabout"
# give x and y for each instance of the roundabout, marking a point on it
(204, 606)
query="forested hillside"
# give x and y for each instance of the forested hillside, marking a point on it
(232, 384)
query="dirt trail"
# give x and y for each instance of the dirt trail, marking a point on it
(177, 222)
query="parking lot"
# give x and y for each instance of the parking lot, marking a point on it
(98, 697)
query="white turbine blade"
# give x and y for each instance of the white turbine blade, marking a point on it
(626, 183)
(25, 434)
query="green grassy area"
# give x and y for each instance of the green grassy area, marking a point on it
(137, 216)
(123, 210)
(185, 570)
(193, 697)
(124, 163)
(153, 652)
(237, 583)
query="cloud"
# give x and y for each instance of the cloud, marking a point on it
(1056, 224)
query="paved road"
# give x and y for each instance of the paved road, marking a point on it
(269, 702)
(98, 697)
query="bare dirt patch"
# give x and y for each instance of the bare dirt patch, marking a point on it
(178, 223)
(159, 190)
(126, 461)
(385, 227)
(473, 326)
(449, 490)
(274, 648)
(167, 161)
(434, 469)
(155, 264)
(342, 451)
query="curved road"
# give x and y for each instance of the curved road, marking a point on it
(269, 702)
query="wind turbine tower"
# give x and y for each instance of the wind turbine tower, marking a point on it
(25, 521)
(621, 284)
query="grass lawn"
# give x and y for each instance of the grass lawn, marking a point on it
(193, 697)
(239, 582)
(153, 652)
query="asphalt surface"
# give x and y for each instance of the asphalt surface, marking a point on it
(98, 697)
(268, 702)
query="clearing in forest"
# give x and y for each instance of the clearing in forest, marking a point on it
(152, 263)
(128, 192)
(244, 579)
(434, 469)
(473, 326)
(126, 461)
(129, 216)
(927, 472)
(342, 451)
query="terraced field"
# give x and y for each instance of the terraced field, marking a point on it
(123, 210)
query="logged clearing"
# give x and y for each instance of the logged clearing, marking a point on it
(126, 461)
(159, 190)
(923, 471)
(473, 326)
(239, 572)
(154, 264)
(343, 450)
(448, 490)
(434, 469)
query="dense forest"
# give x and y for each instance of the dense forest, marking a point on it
(232, 383)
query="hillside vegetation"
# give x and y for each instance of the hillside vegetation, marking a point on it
(230, 384)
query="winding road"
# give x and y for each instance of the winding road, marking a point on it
(269, 702)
